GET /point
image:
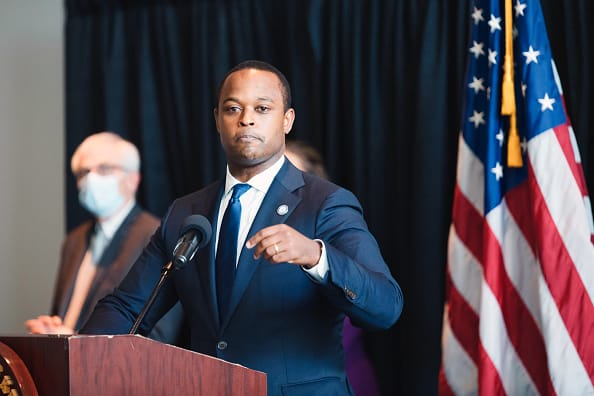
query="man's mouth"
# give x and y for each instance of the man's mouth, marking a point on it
(247, 138)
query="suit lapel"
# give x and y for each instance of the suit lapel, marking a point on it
(110, 261)
(204, 261)
(277, 206)
(113, 249)
(77, 247)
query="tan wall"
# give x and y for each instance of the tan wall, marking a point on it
(31, 156)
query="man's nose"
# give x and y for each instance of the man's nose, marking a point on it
(246, 118)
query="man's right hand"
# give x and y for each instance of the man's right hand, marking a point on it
(45, 324)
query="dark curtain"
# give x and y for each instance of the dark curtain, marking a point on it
(378, 88)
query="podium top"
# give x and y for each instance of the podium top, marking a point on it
(88, 365)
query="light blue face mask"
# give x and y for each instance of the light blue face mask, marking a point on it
(100, 194)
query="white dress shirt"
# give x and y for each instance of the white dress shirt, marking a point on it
(251, 201)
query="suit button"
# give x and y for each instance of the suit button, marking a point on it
(350, 294)
(222, 345)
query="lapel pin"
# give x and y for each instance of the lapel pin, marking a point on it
(282, 210)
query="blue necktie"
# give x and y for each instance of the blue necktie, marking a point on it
(227, 248)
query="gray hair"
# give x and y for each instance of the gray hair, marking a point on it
(123, 151)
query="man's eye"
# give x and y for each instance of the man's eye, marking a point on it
(81, 173)
(105, 169)
(263, 109)
(232, 109)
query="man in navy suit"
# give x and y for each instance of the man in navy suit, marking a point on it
(305, 255)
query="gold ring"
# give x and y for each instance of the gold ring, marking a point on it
(276, 248)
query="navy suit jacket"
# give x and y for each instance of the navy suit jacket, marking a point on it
(280, 320)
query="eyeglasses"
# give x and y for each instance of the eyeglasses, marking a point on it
(101, 169)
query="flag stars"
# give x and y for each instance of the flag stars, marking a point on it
(477, 15)
(524, 87)
(524, 144)
(495, 23)
(531, 55)
(477, 84)
(477, 49)
(477, 118)
(492, 55)
(499, 137)
(497, 171)
(546, 103)
(519, 7)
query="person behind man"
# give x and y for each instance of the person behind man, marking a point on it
(359, 368)
(96, 255)
(271, 292)
(305, 157)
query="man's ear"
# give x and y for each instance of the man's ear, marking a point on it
(132, 181)
(288, 120)
(215, 113)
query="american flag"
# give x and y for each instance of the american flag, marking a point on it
(519, 315)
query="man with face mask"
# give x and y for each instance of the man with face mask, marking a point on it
(97, 254)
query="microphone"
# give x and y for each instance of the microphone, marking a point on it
(195, 233)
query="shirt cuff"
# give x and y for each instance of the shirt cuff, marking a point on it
(319, 271)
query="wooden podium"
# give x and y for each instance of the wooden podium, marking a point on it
(124, 365)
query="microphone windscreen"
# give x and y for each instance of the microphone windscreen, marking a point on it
(201, 225)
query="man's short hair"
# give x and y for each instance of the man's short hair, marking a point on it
(260, 65)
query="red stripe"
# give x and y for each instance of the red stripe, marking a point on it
(464, 323)
(522, 330)
(562, 133)
(526, 336)
(469, 223)
(443, 387)
(489, 383)
(521, 327)
(558, 269)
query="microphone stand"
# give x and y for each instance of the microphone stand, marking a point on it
(164, 272)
